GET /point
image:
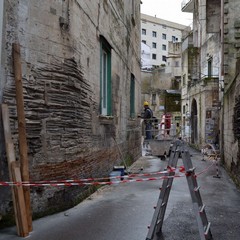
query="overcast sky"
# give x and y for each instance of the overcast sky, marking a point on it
(166, 9)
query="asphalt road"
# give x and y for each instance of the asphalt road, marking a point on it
(123, 211)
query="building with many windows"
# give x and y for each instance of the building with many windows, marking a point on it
(161, 71)
(157, 33)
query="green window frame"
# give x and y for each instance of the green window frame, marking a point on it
(132, 96)
(105, 78)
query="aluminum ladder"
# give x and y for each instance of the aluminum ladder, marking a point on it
(155, 229)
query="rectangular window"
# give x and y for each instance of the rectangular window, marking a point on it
(105, 78)
(164, 36)
(164, 58)
(143, 41)
(154, 56)
(173, 39)
(154, 96)
(144, 31)
(210, 67)
(132, 96)
(164, 47)
(154, 34)
(184, 79)
(154, 45)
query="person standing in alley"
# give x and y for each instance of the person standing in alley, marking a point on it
(148, 116)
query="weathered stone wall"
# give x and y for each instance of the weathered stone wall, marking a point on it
(60, 52)
(203, 67)
(231, 141)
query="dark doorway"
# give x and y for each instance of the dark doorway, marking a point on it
(194, 122)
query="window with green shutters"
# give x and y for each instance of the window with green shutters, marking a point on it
(105, 78)
(132, 96)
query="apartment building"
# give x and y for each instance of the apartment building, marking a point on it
(157, 33)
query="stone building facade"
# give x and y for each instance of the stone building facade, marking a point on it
(80, 63)
(231, 81)
(217, 34)
(201, 75)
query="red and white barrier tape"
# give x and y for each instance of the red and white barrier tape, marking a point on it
(92, 181)
(204, 170)
(80, 183)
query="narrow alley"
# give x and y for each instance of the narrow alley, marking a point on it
(123, 211)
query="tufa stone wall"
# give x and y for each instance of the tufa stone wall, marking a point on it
(60, 52)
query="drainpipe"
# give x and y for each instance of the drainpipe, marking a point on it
(1, 34)
(222, 82)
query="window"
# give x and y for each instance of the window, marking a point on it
(164, 58)
(105, 77)
(132, 96)
(184, 109)
(144, 31)
(154, 56)
(210, 67)
(176, 63)
(164, 47)
(184, 79)
(154, 34)
(154, 99)
(143, 41)
(164, 36)
(154, 45)
(173, 38)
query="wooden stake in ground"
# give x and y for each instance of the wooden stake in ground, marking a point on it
(23, 149)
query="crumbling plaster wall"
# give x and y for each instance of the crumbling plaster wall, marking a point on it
(231, 140)
(60, 64)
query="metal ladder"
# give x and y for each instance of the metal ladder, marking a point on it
(155, 229)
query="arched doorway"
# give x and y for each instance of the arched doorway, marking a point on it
(194, 122)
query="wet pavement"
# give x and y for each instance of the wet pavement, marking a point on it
(123, 211)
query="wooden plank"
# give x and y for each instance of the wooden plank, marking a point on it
(10, 157)
(23, 149)
(21, 208)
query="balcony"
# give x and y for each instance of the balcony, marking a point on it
(187, 6)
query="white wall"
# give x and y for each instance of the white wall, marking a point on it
(160, 26)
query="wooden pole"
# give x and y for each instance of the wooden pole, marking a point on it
(21, 207)
(14, 175)
(23, 149)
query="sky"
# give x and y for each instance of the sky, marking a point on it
(166, 9)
